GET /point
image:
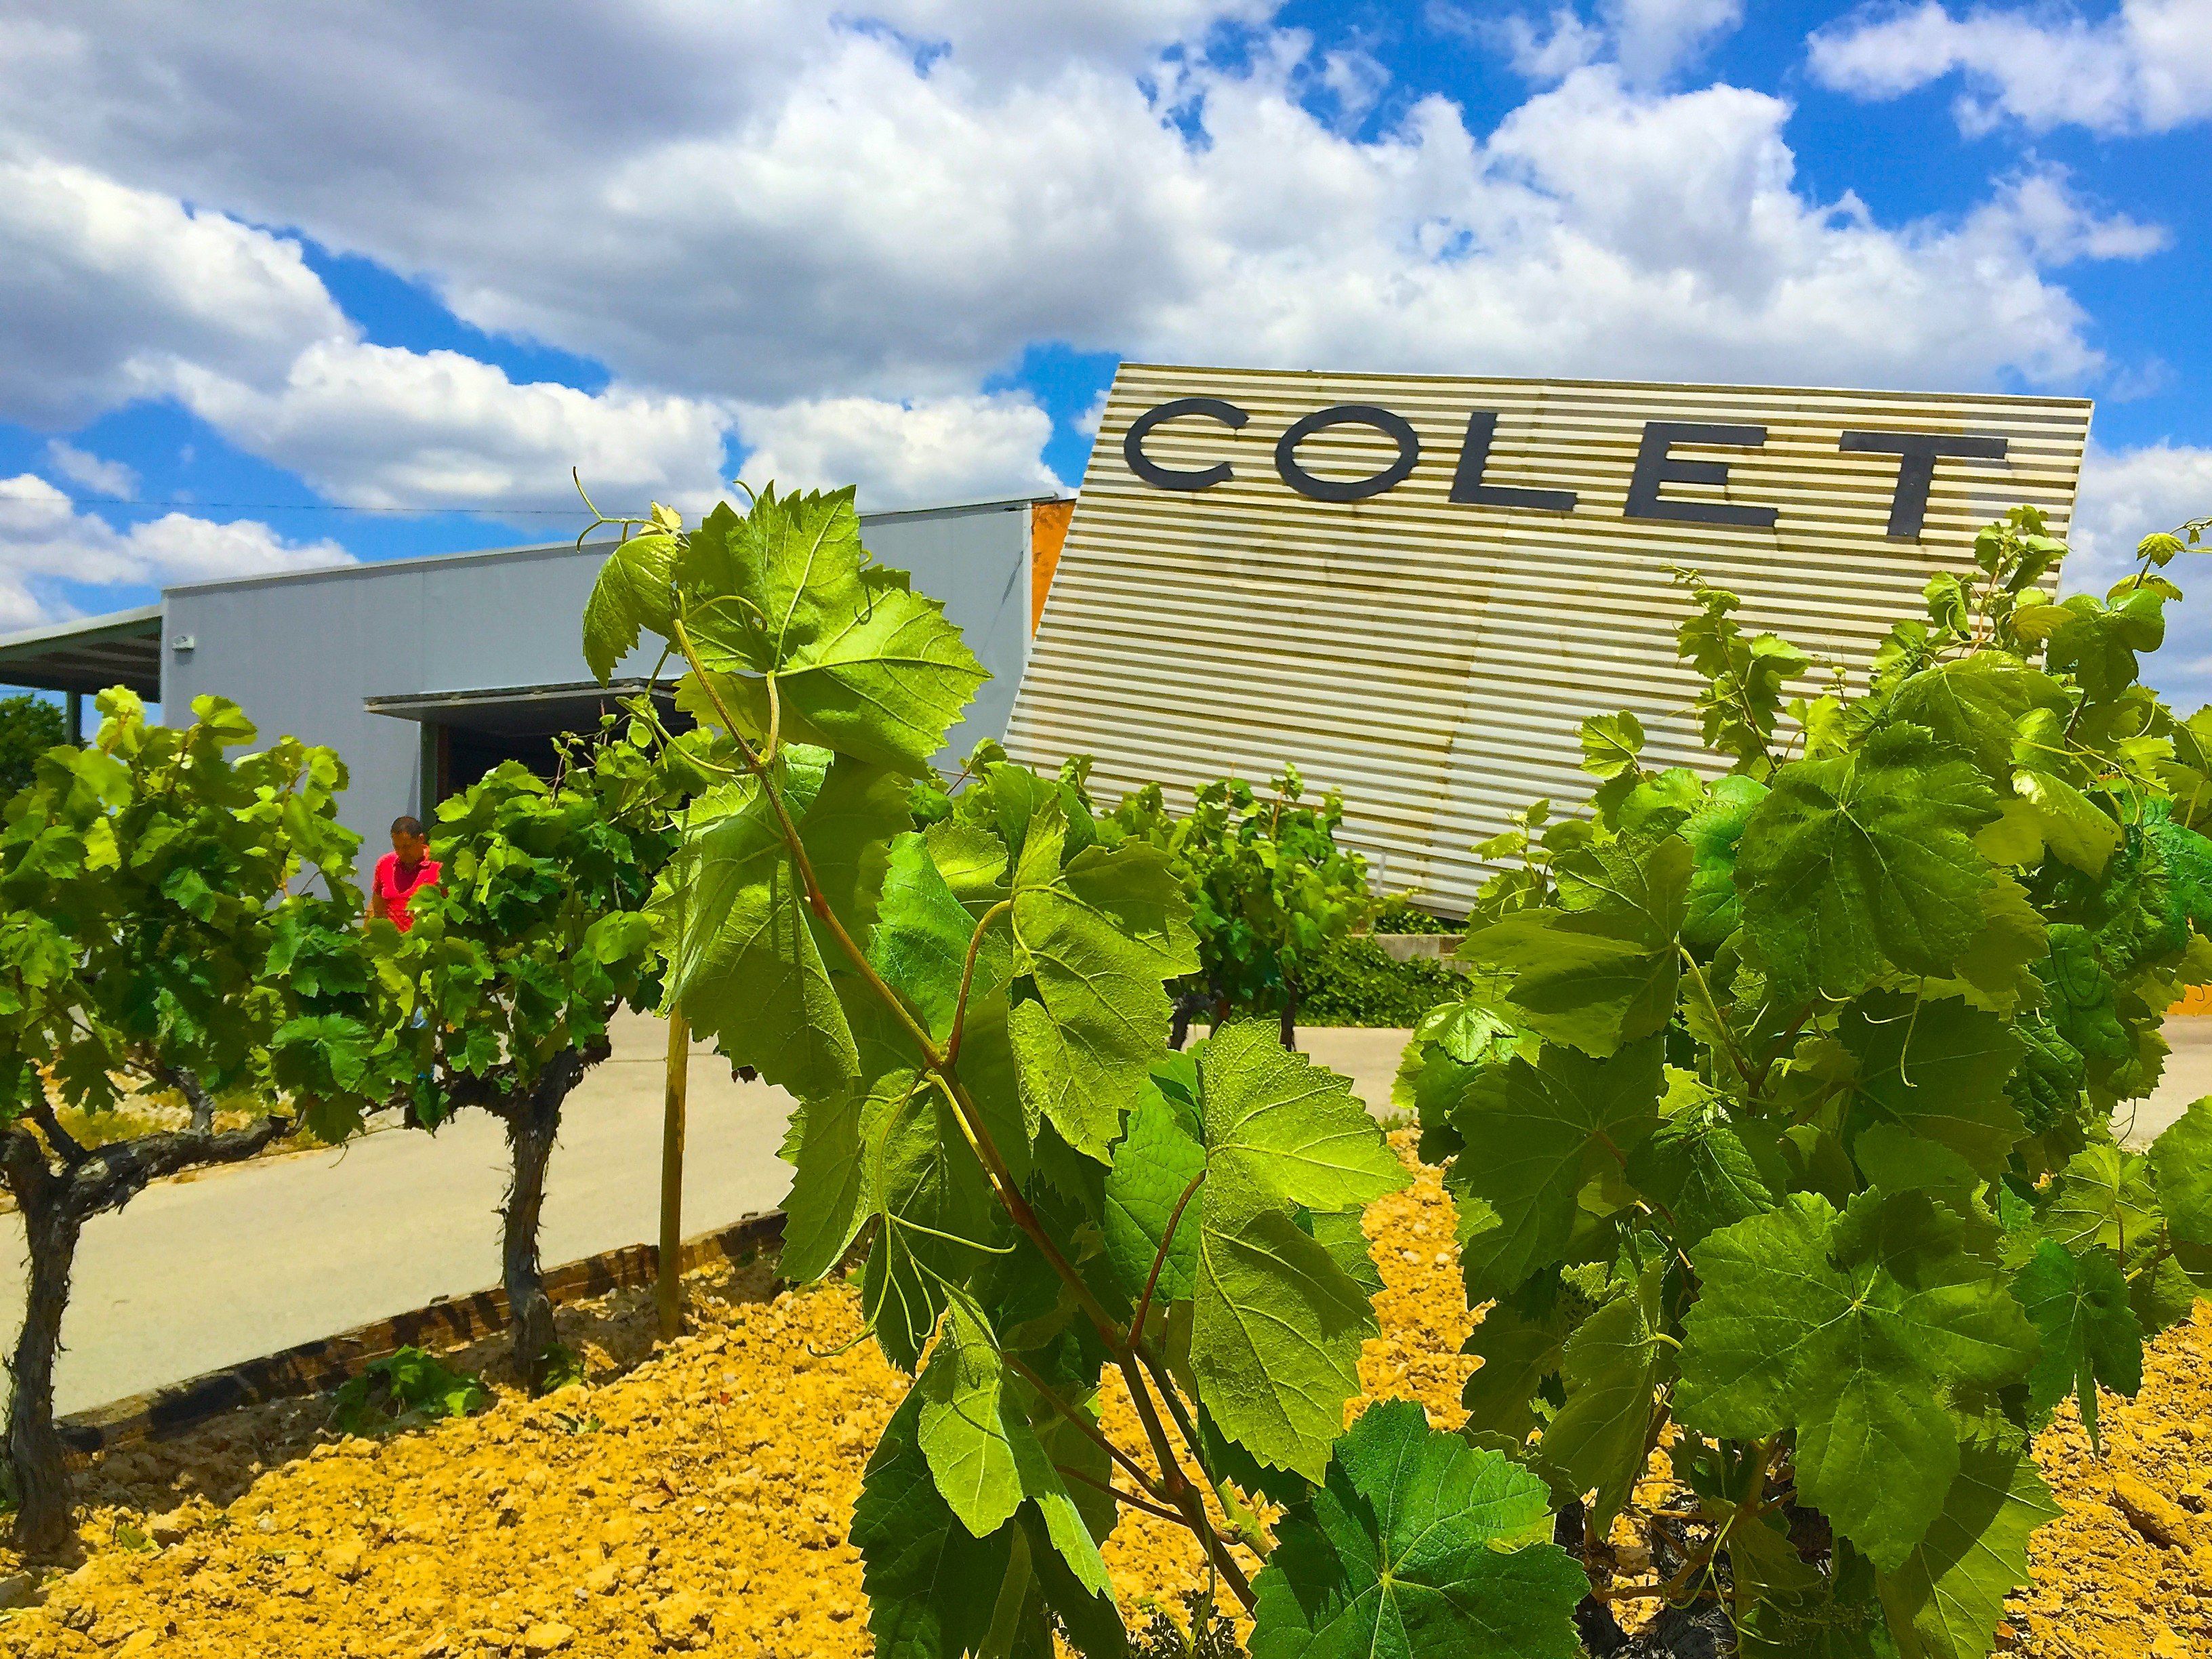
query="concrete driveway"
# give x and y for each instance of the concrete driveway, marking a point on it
(202, 1273)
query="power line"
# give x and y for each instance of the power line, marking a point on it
(329, 506)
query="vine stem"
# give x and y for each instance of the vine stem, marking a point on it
(1160, 1256)
(1747, 1507)
(1091, 1430)
(994, 1164)
(1118, 1495)
(1004, 907)
(1713, 1008)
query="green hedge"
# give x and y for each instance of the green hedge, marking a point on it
(1357, 984)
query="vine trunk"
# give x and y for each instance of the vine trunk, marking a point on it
(532, 1118)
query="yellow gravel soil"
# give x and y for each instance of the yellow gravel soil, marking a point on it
(697, 1500)
(2125, 1572)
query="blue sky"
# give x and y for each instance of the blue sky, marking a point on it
(380, 310)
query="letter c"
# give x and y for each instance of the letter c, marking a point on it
(1163, 477)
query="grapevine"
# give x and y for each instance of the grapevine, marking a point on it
(973, 1017)
(1778, 1111)
(1270, 891)
(152, 936)
(534, 936)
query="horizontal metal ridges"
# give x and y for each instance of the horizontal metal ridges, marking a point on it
(1434, 660)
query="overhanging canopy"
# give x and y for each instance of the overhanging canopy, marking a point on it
(519, 711)
(121, 649)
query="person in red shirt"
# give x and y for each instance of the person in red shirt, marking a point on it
(404, 871)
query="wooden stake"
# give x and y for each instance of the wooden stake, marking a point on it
(668, 1289)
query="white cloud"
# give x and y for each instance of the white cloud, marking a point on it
(1092, 418)
(106, 286)
(45, 543)
(833, 235)
(378, 426)
(1648, 40)
(117, 294)
(805, 210)
(2146, 69)
(2128, 495)
(81, 467)
(920, 453)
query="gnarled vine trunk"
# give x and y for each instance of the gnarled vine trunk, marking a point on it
(1188, 1007)
(532, 1118)
(35, 1460)
(59, 1190)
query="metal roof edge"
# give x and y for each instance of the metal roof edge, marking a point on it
(538, 549)
(84, 627)
(1632, 385)
(380, 567)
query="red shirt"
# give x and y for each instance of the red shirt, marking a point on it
(398, 890)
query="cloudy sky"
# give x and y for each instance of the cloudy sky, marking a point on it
(286, 283)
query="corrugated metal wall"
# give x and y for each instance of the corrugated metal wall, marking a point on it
(1433, 660)
(300, 653)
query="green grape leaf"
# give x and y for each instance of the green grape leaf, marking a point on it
(2181, 1159)
(1612, 1366)
(1092, 1620)
(1611, 744)
(1452, 1042)
(1599, 971)
(2074, 827)
(1849, 1329)
(1153, 1165)
(1863, 861)
(1939, 1069)
(1519, 1351)
(823, 1211)
(1418, 1544)
(922, 935)
(2186, 857)
(863, 661)
(2045, 1087)
(1712, 909)
(2083, 1002)
(933, 1205)
(743, 961)
(1974, 704)
(931, 1583)
(887, 682)
(1343, 1234)
(846, 833)
(1697, 1165)
(968, 1423)
(1277, 1322)
(972, 860)
(1999, 966)
(2104, 1201)
(2079, 1306)
(632, 594)
(2097, 644)
(1944, 1600)
(977, 1431)
(1099, 941)
(1536, 1136)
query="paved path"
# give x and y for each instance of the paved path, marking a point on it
(202, 1273)
(246, 1261)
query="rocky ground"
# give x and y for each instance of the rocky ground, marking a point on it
(695, 1499)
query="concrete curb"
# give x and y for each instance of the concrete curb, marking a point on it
(450, 1321)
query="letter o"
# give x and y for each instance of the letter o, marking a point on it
(1164, 477)
(1393, 426)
